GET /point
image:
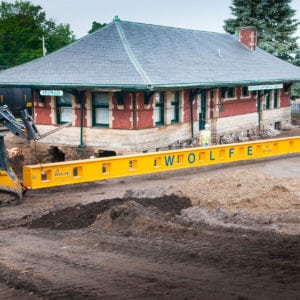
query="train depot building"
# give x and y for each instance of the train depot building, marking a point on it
(133, 87)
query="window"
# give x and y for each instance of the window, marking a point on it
(159, 108)
(175, 107)
(268, 100)
(120, 98)
(147, 97)
(101, 109)
(228, 92)
(245, 92)
(223, 92)
(202, 102)
(64, 108)
(275, 98)
(286, 87)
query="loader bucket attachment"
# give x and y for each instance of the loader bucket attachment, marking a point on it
(32, 131)
(11, 189)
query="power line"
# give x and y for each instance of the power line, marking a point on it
(19, 34)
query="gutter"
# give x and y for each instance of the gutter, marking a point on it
(223, 83)
(144, 87)
(108, 87)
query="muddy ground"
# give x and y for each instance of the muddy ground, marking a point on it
(222, 232)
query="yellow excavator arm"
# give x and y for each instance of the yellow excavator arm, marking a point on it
(11, 189)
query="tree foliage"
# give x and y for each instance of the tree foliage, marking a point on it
(274, 21)
(58, 36)
(22, 27)
(297, 58)
(96, 26)
(296, 86)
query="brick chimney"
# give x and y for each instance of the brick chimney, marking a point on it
(248, 37)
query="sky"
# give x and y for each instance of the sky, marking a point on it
(207, 15)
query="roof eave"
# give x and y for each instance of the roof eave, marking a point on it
(222, 84)
(79, 86)
(144, 87)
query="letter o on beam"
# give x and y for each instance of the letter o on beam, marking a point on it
(191, 158)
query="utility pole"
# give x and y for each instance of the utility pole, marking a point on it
(44, 47)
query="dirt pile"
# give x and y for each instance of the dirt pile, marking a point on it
(115, 214)
(244, 199)
(245, 190)
(238, 199)
(133, 218)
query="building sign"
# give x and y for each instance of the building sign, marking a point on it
(265, 87)
(57, 93)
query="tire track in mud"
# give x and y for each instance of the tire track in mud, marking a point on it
(54, 271)
(50, 273)
(79, 277)
(90, 264)
(7, 293)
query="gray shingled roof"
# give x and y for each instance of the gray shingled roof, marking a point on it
(131, 55)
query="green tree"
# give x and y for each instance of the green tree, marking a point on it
(297, 58)
(58, 36)
(274, 21)
(296, 86)
(22, 27)
(96, 26)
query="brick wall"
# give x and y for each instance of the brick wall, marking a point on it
(239, 114)
(42, 110)
(145, 112)
(122, 112)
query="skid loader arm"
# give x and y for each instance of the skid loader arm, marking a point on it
(10, 187)
(25, 129)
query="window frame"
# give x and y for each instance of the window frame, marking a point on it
(276, 99)
(175, 107)
(245, 88)
(202, 110)
(96, 106)
(268, 101)
(60, 106)
(226, 95)
(160, 107)
(287, 88)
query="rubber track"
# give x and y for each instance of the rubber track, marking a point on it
(9, 197)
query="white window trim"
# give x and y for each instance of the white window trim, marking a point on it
(245, 97)
(226, 98)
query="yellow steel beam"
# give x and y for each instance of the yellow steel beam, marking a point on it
(71, 172)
